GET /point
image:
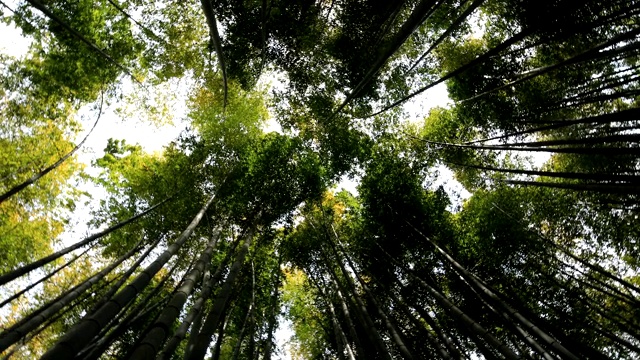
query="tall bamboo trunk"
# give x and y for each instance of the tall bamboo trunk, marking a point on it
(104, 298)
(361, 310)
(50, 321)
(248, 318)
(5, 278)
(391, 327)
(120, 323)
(341, 333)
(157, 334)
(556, 174)
(273, 316)
(482, 334)
(216, 348)
(620, 116)
(16, 189)
(435, 341)
(215, 315)
(194, 311)
(350, 324)
(417, 16)
(341, 337)
(596, 52)
(510, 312)
(29, 323)
(215, 279)
(81, 334)
(44, 278)
(477, 61)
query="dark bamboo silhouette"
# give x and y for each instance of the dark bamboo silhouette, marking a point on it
(623, 138)
(272, 321)
(159, 331)
(556, 174)
(635, 151)
(43, 279)
(391, 327)
(5, 278)
(217, 311)
(32, 321)
(16, 189)
(431, 338)
(483, 335)
(594, 267)
(207, 9)
(594, 53)
(496, 299)
(347, 315)
(219, 339)
(479, 60)
(50, 321)
(620, 116)
(360, 308)
(626, 189)
(81, 334)
(417, 17)
(180, 333)
(248, 317)
(455, 25)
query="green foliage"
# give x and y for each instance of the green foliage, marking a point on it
(276, 173)
(307, 321)
(395, 256)
(62, 65)
(226, 132)
(33, 135)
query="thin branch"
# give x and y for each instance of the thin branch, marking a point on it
(207, 9)
(16, 189)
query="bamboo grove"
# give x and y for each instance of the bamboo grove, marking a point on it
(206, 249)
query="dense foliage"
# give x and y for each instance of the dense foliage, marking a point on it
(208, 247)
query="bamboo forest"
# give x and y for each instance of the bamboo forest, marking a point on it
(341, 179)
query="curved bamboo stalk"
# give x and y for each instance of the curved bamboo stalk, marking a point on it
(48, 276)
(555, 174)
(207, 9)
(629, 189)
(16, 189)
(620, 116)
(31, 322)
(5, 278)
